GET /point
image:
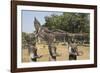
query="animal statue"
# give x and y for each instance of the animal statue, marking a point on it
(48, 36)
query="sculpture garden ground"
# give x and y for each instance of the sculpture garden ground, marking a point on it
(61, 49)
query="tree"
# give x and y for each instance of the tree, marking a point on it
(27, 39)
(69, 22)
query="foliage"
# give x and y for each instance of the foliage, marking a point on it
(27, 39)
(70, 22)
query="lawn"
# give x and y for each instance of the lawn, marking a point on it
(61, 49)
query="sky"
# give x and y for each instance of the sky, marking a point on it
(27, 17)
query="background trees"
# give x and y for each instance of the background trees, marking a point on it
(27, 39)
(70, 22)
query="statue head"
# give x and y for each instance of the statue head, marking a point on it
(36, 24)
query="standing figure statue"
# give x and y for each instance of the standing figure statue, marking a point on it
(73, 50)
